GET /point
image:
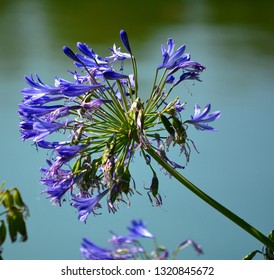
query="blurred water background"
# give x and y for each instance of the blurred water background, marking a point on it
(234, 39)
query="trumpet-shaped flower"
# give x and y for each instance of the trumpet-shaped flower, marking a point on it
(201, 118)
(87, 205)
(117, 55)
(90, 251)
(172, 59)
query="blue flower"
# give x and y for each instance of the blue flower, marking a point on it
(56, 192)
(189, 69)
(68, 152)
(178, 106)
(138, 229)
(119, 240)
(87, 205)
(117, 55)
(129, 247)
(58, 181)
(38, 87)
(172, 59)
(90, 251)
(170, 79)
(89, 60)
(51, 145)
(111, 75)
(200, 119)
(38, 129)
(39, 93)
(69, 89)
(29, 111)
(191, 75)
(67, 51)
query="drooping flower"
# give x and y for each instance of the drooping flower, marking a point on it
(58, 183)
(87, 205)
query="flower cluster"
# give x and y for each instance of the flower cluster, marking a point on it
(128, 247)
(93, 125)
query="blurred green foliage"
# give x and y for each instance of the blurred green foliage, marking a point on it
(15, 210)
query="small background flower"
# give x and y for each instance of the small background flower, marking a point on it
(129, 247)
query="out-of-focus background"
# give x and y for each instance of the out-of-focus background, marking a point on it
(234, 39)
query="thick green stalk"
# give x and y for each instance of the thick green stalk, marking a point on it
(216, 205)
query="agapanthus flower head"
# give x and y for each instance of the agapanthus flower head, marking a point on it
(94, 124)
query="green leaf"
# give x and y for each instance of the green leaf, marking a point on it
(168, 126)
(11, 218)
(110, 148)
(269, 254)
(125, 181)
(154, 185)
(3, 232)
(8, 199)
(76, 166)
(180, 130)
(271, 235)
(17, 198)
(21, 226)
(16, 225)
(2, 186)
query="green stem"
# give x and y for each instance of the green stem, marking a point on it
(213, 203)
